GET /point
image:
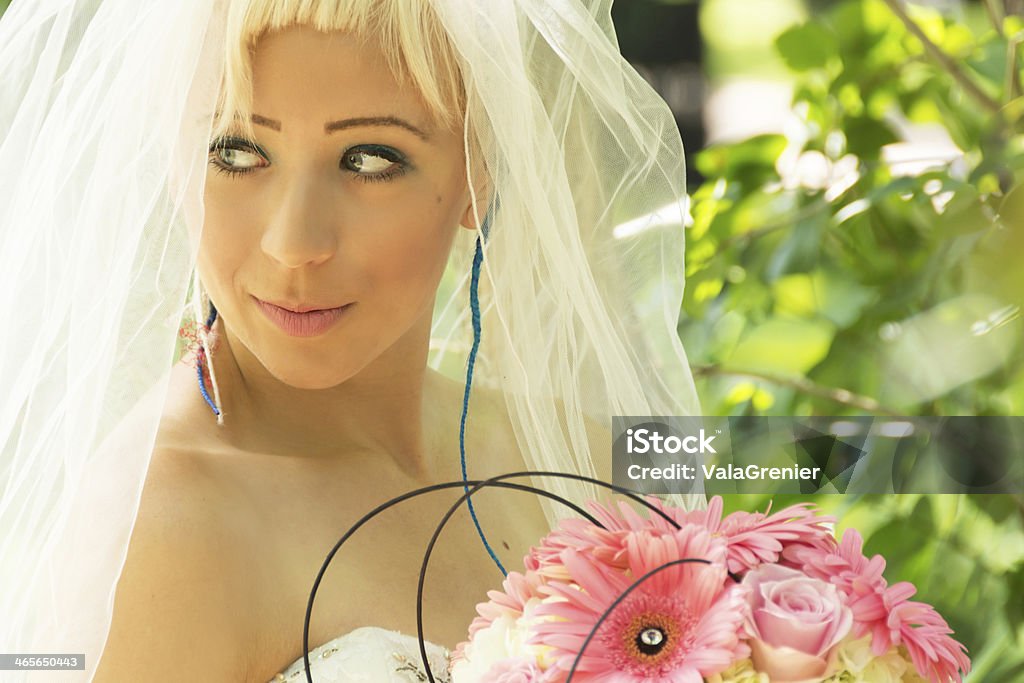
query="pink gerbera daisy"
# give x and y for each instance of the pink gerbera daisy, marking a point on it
(752, 538)
(605, 540)
(756, 538)
(886, 612)
(681, 625)
(578, 534)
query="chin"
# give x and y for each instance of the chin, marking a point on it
(309, 378)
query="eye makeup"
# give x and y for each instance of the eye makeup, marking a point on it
(235, 156)
(374, 163)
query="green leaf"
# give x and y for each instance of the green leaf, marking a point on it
(866, 136)
(753, 211)
(826, 293)
(800, 250)
(750, 162)
(726, 334)
(857, 33)
(965, 213)
(901, 539)
(782, 346)
(807, 46)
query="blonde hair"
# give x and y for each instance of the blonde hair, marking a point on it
(415, 44)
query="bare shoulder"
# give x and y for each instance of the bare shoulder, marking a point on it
(175, 612)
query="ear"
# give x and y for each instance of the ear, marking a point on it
(483, 205)
(469, 217)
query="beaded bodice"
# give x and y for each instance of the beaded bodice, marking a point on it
(369, 655)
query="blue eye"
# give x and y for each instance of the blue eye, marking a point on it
(372, 163)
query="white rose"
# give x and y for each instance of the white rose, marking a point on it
(505, 638)
(485, 648)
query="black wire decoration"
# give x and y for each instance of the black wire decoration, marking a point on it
(477, 485)
(497, 481)
(383, 507)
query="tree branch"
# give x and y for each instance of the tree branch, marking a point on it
(1013, 85)
(806, 386)
(995, 15)
(944, 60)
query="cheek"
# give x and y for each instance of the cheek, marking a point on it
(223, 243)
(410, 255)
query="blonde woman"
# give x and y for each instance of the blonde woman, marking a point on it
(417, 239)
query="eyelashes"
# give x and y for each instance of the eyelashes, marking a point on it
(234, 156)
(374, 163)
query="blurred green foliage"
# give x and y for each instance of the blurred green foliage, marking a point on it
(739, 36)
(825, 276)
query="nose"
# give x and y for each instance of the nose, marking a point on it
(299, 230)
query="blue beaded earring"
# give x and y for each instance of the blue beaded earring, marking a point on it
(474, 308)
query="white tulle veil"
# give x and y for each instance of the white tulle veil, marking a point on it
(106, 112)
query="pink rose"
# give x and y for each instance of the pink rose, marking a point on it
(514, 670)
(795, 623)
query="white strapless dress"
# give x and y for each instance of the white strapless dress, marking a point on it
(369, 655)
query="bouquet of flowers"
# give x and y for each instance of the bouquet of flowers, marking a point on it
(692, 597)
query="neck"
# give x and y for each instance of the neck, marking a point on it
(379, 411)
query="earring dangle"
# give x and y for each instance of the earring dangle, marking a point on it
(198, 348)
(201, 354)
(474, 308)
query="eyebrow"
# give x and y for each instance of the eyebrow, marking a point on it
(344, 124)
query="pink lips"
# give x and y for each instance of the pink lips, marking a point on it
(308, 324)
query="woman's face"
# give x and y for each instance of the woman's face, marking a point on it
(347, 198)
